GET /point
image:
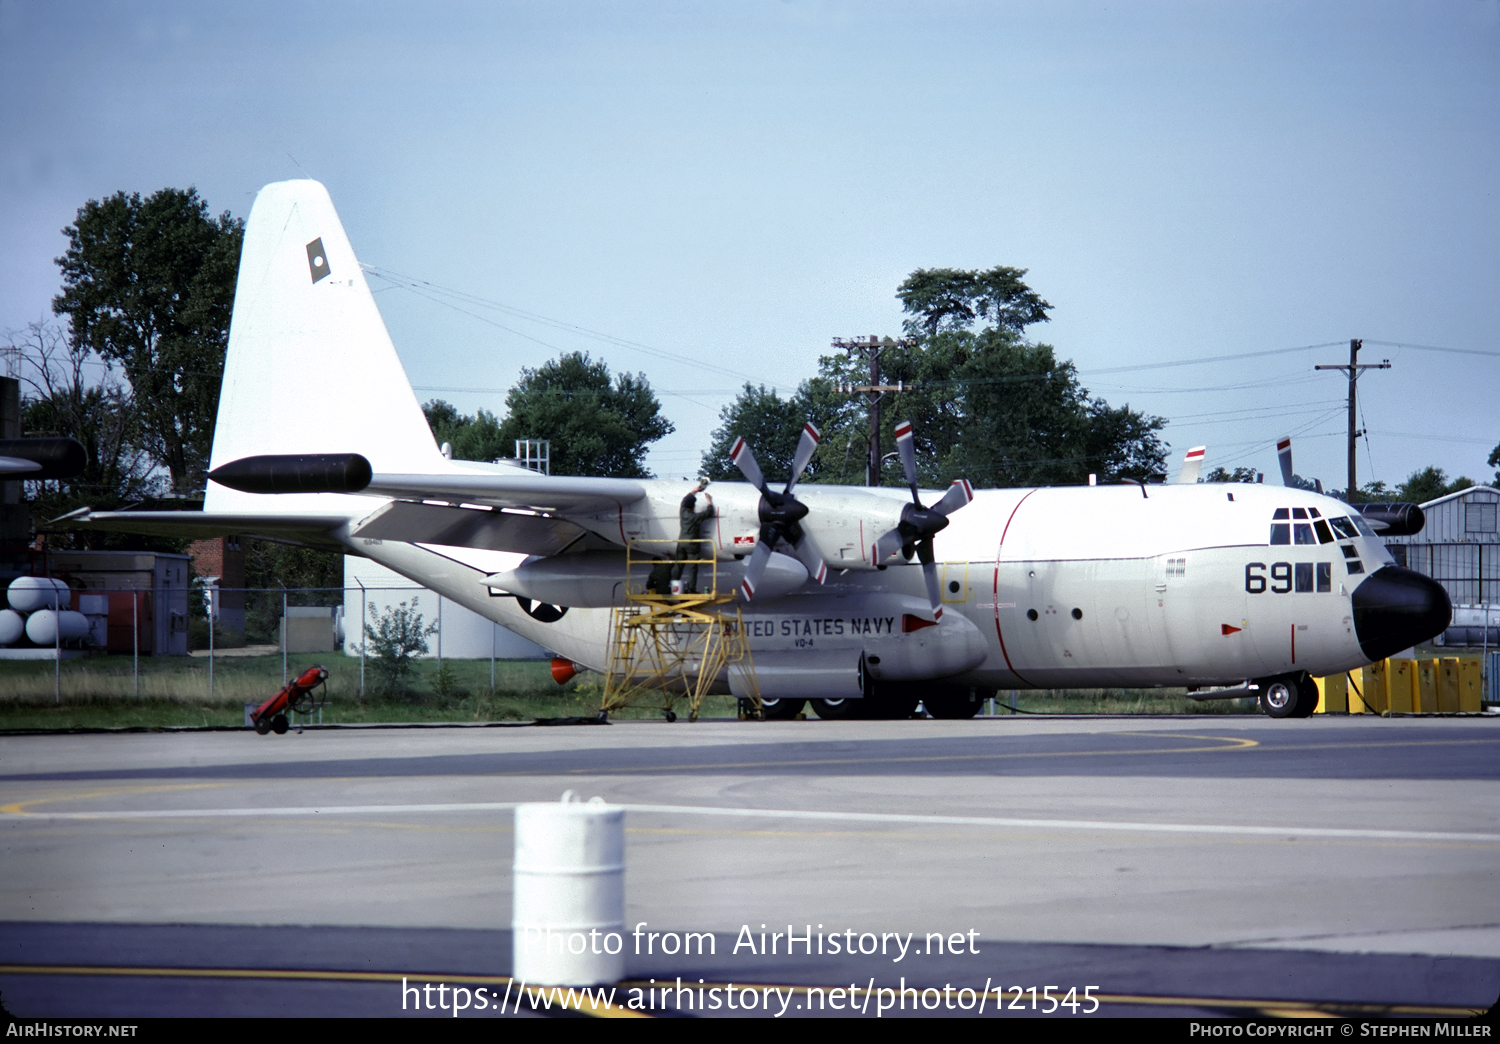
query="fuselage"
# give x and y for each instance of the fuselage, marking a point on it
(1181, 585)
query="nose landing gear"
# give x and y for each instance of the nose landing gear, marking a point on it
(1288, 696)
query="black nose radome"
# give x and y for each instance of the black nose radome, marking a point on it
(1396, 608)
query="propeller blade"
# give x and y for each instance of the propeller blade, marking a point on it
(959, 494)
(906, 444)
(805, 447)
(888, 545)
(807, 554)
(744, 459)
(756, 567)
(1284, 452)
(930, 574)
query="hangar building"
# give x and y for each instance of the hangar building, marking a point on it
(1459, 547)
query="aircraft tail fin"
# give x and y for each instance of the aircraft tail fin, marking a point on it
(310, 367)
(1284, 453)
(1192, 464)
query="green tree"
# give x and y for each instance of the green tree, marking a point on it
(1428, 484)
(68, 391)
(938, 299)
(474, 437)
(1221, 474)
(597, 425)
(772, 425)
(986, 404)
(149, 284)
(396, 639)
(1494, 462)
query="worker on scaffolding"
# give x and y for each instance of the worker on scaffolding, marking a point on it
(689, 544)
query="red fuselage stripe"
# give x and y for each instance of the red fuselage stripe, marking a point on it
(998, 635)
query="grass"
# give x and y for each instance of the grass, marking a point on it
(100, 692)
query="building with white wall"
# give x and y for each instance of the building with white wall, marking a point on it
(371, 589)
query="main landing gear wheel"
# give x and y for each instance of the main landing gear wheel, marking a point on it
(839, 710)
(262, 725)
(279, 725)
(951, 703)
(1288, 696)
(782, 709)
(1307, 698)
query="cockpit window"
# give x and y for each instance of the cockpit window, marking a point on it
(1299, 512)
(1281, 533)
(1344, 527)
(1324, 536)
(1363, 526)
(1281, 515)
(1303, 532)
(1313, 513)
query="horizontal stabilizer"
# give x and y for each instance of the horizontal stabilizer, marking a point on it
(201, 525)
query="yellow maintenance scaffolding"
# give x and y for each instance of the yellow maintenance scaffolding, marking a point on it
(668, 648)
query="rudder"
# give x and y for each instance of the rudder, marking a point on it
(310, 367)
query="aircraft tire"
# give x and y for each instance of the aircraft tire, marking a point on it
(894, 703)
(1307, 697)
(848, 709)
(783, 708)
(262, 725)
(279, 725)
(1280, 696)
(951, 702)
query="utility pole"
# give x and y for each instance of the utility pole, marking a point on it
(1353, 370)
(871, 348)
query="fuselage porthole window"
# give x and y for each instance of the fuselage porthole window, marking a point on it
(1350, 551)
(1354, 566)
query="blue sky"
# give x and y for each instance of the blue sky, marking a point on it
(719, 189)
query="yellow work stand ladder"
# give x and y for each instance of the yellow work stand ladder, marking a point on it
(667, 648)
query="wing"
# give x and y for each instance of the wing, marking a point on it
(553, 494)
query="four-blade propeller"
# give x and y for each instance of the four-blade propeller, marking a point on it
(920, 524)
(780, 513)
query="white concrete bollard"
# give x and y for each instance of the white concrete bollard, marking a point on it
(568, 920)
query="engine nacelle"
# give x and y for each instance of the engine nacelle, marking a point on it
(1394, 519)
(596, 579)
(923, 650)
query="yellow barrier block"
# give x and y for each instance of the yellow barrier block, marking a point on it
(1401, 677)
(1427, 687)
(1470, 684)
(1372, 688)
(1333, 694)
(1448, 685)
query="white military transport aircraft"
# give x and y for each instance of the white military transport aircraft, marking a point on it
(860, 600)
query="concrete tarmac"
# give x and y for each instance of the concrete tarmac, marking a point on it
(1176, 865)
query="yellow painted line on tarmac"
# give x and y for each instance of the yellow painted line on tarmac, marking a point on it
(1223, 743)
(568, 1001)
(1275, 1008)
(18, 808)
(607, 1010)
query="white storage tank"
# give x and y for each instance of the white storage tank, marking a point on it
(12, 626)
(42, 626)
(30, 593)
